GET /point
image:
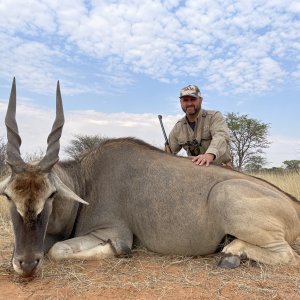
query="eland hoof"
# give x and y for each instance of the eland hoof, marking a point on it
(229, 262)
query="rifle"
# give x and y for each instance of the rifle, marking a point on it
(167, 146)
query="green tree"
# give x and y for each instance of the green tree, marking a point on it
(248, 139)
(83, 143)
(256, 163)
(292, 164)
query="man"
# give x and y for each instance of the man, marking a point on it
(202, 133)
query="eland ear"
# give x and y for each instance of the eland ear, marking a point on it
(66, 192)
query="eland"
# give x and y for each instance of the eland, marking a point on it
(126, 189)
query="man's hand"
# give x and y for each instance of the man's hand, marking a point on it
(203, 159)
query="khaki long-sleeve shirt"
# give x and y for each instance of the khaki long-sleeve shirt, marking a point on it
(211, 131)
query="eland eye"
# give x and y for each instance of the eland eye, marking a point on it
(52, 195)
(5, 195)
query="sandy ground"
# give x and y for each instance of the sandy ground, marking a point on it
(147, 276)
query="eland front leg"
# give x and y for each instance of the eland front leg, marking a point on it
(90, 247)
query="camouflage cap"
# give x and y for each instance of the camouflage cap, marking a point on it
(190, 90)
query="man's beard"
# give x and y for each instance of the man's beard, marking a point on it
(192, 113)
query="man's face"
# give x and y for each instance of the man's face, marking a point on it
(191, 105)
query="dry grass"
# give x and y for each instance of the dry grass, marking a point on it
(151, 276)
(4, 210)
(287, 181)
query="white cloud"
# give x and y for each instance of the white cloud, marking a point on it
(234, 44)
(294, 7)
(296, 74)
(99, 46)
(35, 124)
(282, 148)
(29, 17)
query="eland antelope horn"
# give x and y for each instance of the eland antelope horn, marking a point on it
(51, 156)
(13, 138)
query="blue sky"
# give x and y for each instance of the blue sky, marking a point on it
(121, 63)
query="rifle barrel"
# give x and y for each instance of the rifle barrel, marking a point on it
(163, 129)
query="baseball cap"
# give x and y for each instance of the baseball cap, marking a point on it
(190, 90)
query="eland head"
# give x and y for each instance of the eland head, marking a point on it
(31, 189)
